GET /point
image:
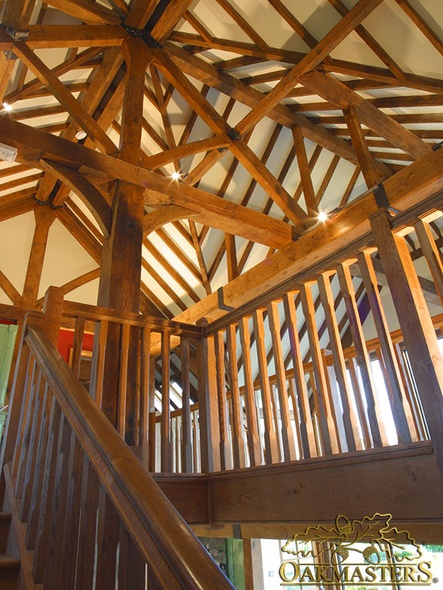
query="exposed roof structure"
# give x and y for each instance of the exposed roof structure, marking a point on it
(268, 111)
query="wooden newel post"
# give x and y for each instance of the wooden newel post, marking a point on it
(416, 325)
(208, 403)
(53, 310)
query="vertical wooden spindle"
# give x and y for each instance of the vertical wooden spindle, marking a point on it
(394, 380)
(282, 390)
(54, 570)
(237, 418)
(22, 448)
(98, 361)
(56, 424)
(107, 540)
(166, 444)
(353, 441)
(145, 365)
(208, 403)
(225, 441)
(32, 461)
(78, 343)
(131, 566)
(70, 533)
(431, 253)
(186, 450)
(252, 433)
(123, 380)
(39, 477)
(377, 428)
(87, 554)
(272, 450)
(305, 424)
(324, 408)
(360, 403)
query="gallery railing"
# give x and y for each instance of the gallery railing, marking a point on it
(331, 366)
(141, 383)
(347, 359)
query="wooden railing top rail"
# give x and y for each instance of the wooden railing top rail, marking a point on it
(12, 312)
(177, 413)
(160, 533)
(321, 248)
(94, 314)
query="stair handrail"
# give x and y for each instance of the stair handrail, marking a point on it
(157, 529)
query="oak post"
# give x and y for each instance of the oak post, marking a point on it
(122, 252)
(389, 359)
(53, 309)
(416, 324)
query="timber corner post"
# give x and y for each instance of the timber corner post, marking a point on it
(208, 401)
(415, 323)
(53, 311)
(49, 321)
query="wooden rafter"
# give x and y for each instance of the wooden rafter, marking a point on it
(310, 61)
(86, 11)
(368, 114)
(249, 96)
(420, 181)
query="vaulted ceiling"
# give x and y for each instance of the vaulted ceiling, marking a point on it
(268, 111)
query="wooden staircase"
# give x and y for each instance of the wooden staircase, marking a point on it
(9, 566)
(85, 512)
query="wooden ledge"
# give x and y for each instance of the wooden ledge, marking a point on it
(266, 501)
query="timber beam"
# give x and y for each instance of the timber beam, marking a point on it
(36, 148)
(277, 501)
(412, 189)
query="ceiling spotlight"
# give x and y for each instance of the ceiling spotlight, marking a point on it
(322, 216)
(80, 134)
(175, 175)
(7, 153)
(7, 106)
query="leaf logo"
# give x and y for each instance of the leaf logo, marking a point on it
(376, 532)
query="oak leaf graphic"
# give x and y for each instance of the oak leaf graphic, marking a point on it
(376, 532)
